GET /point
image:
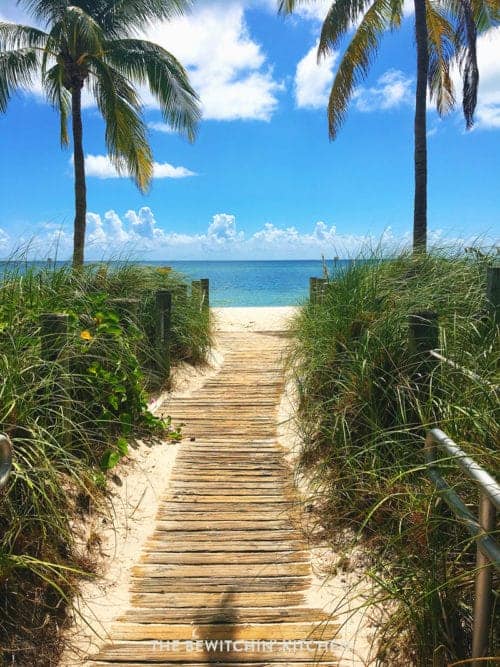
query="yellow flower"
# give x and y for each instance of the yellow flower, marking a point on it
(164, 269)
(86, 335)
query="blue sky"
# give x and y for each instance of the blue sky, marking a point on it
(262, 180)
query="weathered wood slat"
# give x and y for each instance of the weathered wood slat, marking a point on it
(241, 631)
(260, 570)
(148, 651)
(214, 616)
(216, 600)
(224, 557)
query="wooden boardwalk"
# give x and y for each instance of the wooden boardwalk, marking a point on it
(225, 572)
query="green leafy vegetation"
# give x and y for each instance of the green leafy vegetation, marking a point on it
(363, 416)
(73, 406)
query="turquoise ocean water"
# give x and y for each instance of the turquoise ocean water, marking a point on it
(251, 283)
(256, 283)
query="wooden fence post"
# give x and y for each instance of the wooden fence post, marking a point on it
(312, 289)
(127, 309)
(317, 288)
(163, 324)
(493, 291)
(53, 339)
(205, 292)
(423, 337)
(54, 336)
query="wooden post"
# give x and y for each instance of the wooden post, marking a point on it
(321, 284)
(205, 292)
(54, 335)
(317, 289)
(312, 290)
(127, 308)
(493, 291)
(423, 337)
(163, 324)
(181, 292)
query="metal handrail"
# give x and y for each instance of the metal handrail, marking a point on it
(466, 371)
(5, 459)
(488, 549)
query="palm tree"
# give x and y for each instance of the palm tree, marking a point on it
(87, 44)
(444, 30)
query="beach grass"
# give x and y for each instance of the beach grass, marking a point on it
(71, 419)
(363, 414)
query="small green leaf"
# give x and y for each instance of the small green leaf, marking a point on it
(109, 460)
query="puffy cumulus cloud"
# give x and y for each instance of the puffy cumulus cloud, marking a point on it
(313, 80)
(100, 166)
(137, 235)
(392, 89)
(222, 230)
(227, 67)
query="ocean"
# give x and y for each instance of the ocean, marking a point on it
(252, 283)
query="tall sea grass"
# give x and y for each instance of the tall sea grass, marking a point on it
(70, 420)
(363, 416)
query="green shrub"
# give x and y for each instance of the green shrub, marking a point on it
(363, 419)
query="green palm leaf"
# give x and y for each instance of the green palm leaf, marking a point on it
(17, 69)
(149, 63)
(126, 134)
(358, 57)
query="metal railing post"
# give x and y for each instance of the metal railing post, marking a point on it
(5, 459)
(483, 585)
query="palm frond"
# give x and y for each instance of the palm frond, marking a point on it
(340, 18)
(82, 34)
(357, 59)
(441, 51)
(126, 135)
(48, 11)
(149, 63)
(14, 37)
(116, 18)
(59, 97)
(16, 71)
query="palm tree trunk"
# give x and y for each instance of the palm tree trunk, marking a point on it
(420, 204)
(80, 186)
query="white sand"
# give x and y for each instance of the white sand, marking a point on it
(253, 319)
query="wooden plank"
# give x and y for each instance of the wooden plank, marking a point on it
(224, 545)
(219, 584)
(287, 663)
(182, 498)
(214, 524)
(224, 614)
(235, 632)
(148, 651)
(259, 570)
(217, 534)
(224, 557)
(216, 600)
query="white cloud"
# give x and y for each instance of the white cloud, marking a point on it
(227, 67)
(392, 89)
(313, 81)
(161, 127)
(488, 107)
(137, 234)
(100, 166)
